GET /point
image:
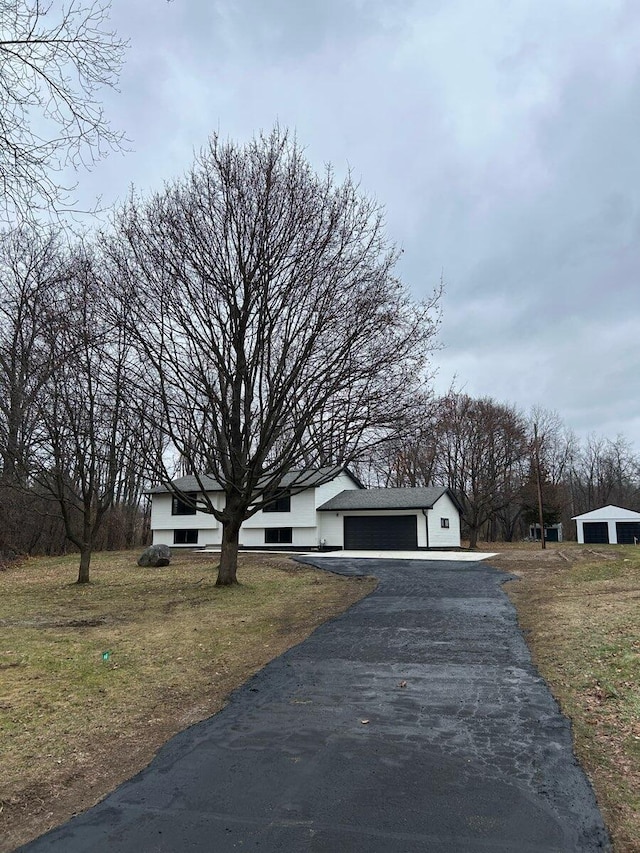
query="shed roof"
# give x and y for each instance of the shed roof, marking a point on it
(372, 499)
(609, 513)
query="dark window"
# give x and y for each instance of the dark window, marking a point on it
(185, 537)
(444, 522)
(278, 536)
(180, 507)
(280, 504)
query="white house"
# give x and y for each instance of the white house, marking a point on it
(609, 525)
(333, 510)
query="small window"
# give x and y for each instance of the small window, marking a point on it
(444, 522)
(185, 537)
(180, 507)
(278, 536)
(280, 504)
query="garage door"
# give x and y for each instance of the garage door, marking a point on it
(596, 532)
(384, 533)
(627, 531)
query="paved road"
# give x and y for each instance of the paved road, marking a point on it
(471, 755)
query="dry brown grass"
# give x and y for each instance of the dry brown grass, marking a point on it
(580, 608)
(74, 725)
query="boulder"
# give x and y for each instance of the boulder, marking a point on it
(156, 556)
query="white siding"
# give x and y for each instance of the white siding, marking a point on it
(308, 526)
(611, 526)
(443, 537)
(334, 487)
(302, 537)
(329, 524)
(206, 536)
(163, 523)
(330, 528)
(302, 514)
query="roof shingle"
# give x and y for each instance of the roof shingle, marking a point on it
(298, 478)
(356, 499)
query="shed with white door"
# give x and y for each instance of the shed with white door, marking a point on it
(609, 525)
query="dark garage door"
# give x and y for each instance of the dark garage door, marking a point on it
(384, 533)
(596, 533)
(626, 531)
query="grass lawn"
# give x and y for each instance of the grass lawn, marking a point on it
(580, 609)
(94, 679)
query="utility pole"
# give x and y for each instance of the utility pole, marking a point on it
(536, 448)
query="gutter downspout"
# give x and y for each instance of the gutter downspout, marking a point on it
(426, 524)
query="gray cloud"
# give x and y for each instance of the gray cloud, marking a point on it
(502, 140)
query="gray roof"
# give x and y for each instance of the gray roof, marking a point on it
(356, 499)
(298, 478)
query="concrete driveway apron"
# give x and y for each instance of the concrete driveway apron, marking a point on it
(413, 722)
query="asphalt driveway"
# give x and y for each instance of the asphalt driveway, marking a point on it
(413, 722)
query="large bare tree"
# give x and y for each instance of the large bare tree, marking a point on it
(89, 436)
(32, 266)
(32, 269)
(269, 321)
(482, 447)
(55, 57)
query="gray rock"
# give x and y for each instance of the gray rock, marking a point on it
(156, 556)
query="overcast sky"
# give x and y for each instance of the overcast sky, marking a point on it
(503, 139)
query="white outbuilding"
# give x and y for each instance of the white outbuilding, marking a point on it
(609, 525)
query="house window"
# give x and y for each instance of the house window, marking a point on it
(185, 537)
(180, 507)
(278, 536)
(444, 522)
(280, 504)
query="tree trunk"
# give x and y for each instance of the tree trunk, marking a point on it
(229, 554)
(473, 537)
(85, 559)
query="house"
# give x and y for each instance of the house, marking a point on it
(332, 510)
(609, 525)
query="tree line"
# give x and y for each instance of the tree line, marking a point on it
(493, 456)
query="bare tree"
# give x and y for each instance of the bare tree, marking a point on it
(54, 59)
(411, 458)
(482, 445)
(552, 449)
(87, 435)
(269, 321)
(32, 266)
(605, 471)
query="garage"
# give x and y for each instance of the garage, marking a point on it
(596, 533)
(391, 519)
(628, 532)
(380, 533)
(608, 525)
